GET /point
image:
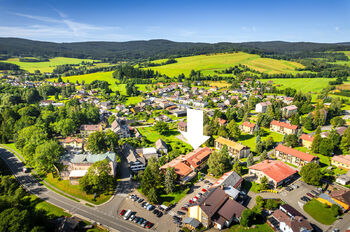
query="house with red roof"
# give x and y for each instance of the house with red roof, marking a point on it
(283, 128)
(288, 111)
(277, 172)
(248, 127)
(293, 156)
(306, 140)
(186, 166)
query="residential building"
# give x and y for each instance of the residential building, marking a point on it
(180, 113)
(283, 128)
(216, 209)
(290, 211)
(135, 161)
(229, 179)
(248, 127)
(234, 148)
(161, 147)
(120, 128)
(182, 126)
(148, 152)
(293, 156)
(306, 140)
(86, 130)
(198, 158)
(341, 161)
(277, 172)
(77, 165)
(262, 106)
(72, 143)
(288, 111)
(343, 179)
(288, 224)
(338, 197)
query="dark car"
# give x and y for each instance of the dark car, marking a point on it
(140, 221)
(180, 213)
(143, 204)
(140, 200)
(159, 214)
(304, 198)
(155, 211)
(314, 192)
(176, 218)
(184, 208)
(136, 219)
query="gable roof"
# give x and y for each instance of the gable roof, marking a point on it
(160, 144)
(293, 152)
(275, 169)
(307, 137)
(248, 124)
(341, 195)
(182, 169)
(284, 124)
(71, 139)
(196, 157)
(345, 159)
(230, 209)
(214, 200)
(230, 143)
(86, 127)
(92, 158)
(228, 179)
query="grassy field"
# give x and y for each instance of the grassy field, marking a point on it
(75, 190)
(249, 140)
(208, 63)
(103, 76)
(45, 66)
(304, 84)
(319, 212)
(257, 228)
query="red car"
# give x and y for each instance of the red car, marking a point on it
(149, 225)
(204, 190)
(190, 201)
(184, 208)
(310, 195)
(122, 212)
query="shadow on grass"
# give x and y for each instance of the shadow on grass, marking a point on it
(245, 137)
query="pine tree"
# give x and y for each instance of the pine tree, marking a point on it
(169, 180)
(250, 160)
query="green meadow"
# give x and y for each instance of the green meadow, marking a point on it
(207, 64)
(46, 66)
(306, 85)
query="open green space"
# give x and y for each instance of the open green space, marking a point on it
(45, 66)
(319, 212)
(74, 190)
(303, 84)
(249, 140)
(49, 208)
(257, 228)
(208, 63)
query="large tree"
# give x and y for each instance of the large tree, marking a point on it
(311, 173)
(161, 127)
(169, 180)
(219, 162)
(98, 179)
(233, 130)
(345, 141)
(65, 127)
(47, 155)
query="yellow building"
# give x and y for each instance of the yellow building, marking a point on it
(341, 161)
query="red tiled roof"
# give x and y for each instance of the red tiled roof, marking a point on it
(71, 139)
(196, 157)
(275, 169)
(293, 152)
(307, 137)
(91, 127)
(222, 121)
(182, 124)
(284, 124)
(248, 124)
(182, 169)
(345, 159)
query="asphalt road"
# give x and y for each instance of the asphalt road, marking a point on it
(92, 213)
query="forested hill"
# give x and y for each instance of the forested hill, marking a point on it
(154, 49)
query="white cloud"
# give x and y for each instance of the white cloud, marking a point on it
(248, 29)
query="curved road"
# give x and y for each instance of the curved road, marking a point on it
(92, 213)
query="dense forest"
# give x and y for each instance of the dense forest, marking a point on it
(157, 49)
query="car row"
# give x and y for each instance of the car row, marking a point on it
(131, 216)
(147, 206)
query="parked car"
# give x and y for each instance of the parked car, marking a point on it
(180, 213)
(127, 214)
(304, 198)
(150, 207)
(122, 212)
(135, 198)
(140, 221)
(136, 219)
(144, 223)
(184, 208)
(314, 192)
(155, 211)
(160, 214)
(140, 200)
(176, 218)
(310, 195)
(132, 217)
(143, 204)
(146, 205)
(149, 225)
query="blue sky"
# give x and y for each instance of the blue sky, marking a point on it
(193, 21)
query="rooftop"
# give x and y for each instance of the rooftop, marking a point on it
(284, 124)
(248, 124)
(344, 159)
(307, 137)
(293, 152)
(275, 169)
(230, 143)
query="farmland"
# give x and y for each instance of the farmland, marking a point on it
(46, 66)
(314, 85)
(208, 63)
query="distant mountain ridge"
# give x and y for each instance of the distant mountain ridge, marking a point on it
(154, 49)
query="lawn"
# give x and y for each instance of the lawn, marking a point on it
(319, 212)
(249, 140)
(169, 138)
(75, 190)
(257, 228)
(45, 66)
(303, 84)
(324, 160)
(208, 63)
(133, 100)
(51, 209)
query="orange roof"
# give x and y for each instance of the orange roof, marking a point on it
(71, 139)
(195, 157)
(248, 124)
(182, 169)
(284, 124)
(296, 153)
(222, 121)
(173, 163)
(275, 169)
(307, 137)
(345, 159)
